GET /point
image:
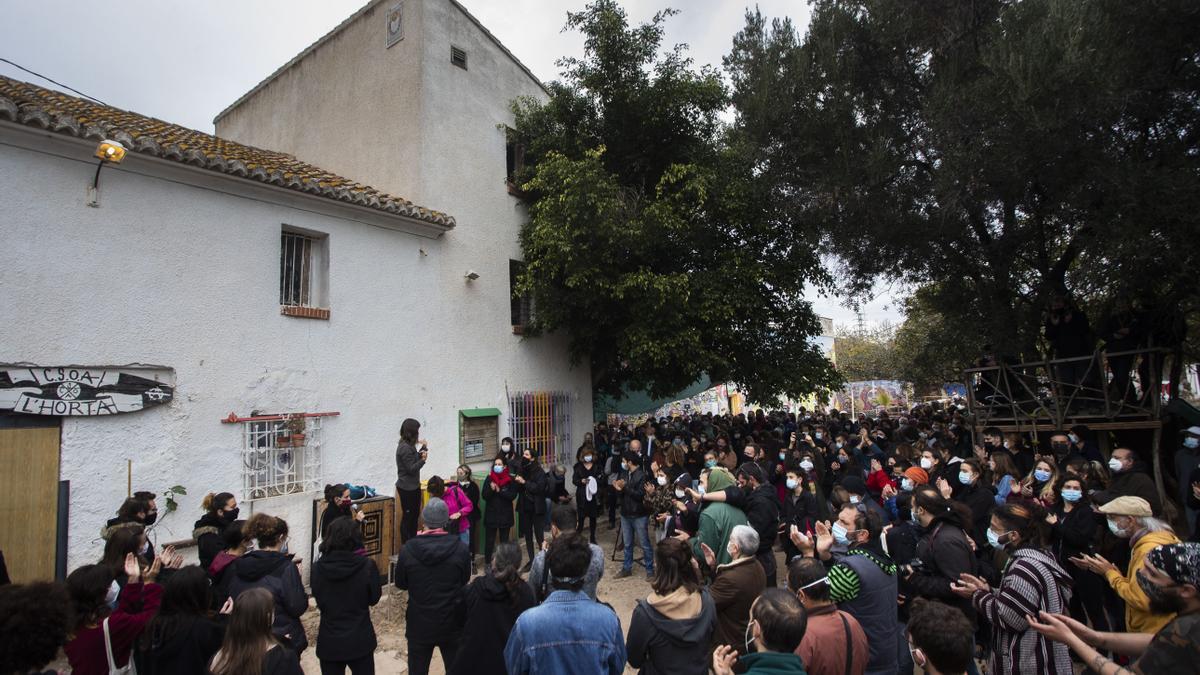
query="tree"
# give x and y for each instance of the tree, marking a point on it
(649, 243)
(867, 354)
(999, 152)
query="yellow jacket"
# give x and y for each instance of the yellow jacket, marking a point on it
(1138, 618)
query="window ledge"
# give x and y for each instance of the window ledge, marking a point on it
(515, 191)
(518, 330)
(301, 312)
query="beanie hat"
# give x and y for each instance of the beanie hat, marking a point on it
(435, 514)
(917, 475)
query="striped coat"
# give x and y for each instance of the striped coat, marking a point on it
(1033, 582)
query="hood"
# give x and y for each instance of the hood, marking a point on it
(209, 523)
(340, 565)
(719, 479)
(257, 564)
(1151, 540)
(224, 559)
(492, 590)
(772, 663)
(683, 617)
(1060, 575)
(113, 525)
(433, 549)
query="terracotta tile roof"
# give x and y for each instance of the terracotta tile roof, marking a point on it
(35, 106)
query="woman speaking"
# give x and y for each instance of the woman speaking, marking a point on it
(411, 454)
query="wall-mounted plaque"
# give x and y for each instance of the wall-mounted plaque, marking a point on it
(395, 24)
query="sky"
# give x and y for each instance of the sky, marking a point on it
(184, 62)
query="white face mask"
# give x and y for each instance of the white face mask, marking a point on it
(662, 480)
(806, 465)
(906, 484)
(110, 598)
(679, 494)
(506, 447)
(926, 463)
(1115, 464)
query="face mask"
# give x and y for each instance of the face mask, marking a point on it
(854, 499)
(906, 484)
(1114, 464)
(151, 517)
(965, 478)
(1071, 495)
(1074, 438)
(679, 494)
(843, 459)
(232, 514)
(144, 549)
(587, 458)
(839, 534)
(497, 469)
(1112, 527)
(710, 464)
(792, 484)
(782, 456)
(839, 445)
(1007, 445)
(916, 521)
(284, 549)
(506, 447)
(926, 463)
(1059, 448)
(750, 649)
(994, 539)
(1191, 442)
(806, 465)
(700, 490)
(464, 481)
(662, 480)
(1041, 475)
(818, 435)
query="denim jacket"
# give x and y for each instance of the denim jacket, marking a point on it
(568, 633)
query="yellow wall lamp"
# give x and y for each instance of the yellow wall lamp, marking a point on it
(109, 152)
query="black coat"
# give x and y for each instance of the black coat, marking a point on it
(633, 496)
(277, 573)
(185, 650)
(281, 661)
(433, 568)
(488, 614)
(209, 534)
(980, 498)
(761, 507)
(346, 586)
(332, 513)
(531, 496)
(579, 478)
(472, 491)
(499, 510)
(1135, 483)
(1073, 534)
(944, 554)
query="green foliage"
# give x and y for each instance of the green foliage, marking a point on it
(169, 497)
(650, 243)
(868, 354)
(1001, 151)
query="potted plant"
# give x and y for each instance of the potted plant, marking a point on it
(292, 433)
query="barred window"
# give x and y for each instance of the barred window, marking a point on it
(541, 421)
(303, 274)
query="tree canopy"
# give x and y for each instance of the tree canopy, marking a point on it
(650, 242)
(992, 153)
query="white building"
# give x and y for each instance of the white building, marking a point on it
(252, 281)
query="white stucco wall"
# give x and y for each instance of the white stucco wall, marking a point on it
(174, 270)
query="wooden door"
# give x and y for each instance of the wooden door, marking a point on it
(29, 502)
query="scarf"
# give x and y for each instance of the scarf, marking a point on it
(500, 479)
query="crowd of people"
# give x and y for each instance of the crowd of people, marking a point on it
(782, 543)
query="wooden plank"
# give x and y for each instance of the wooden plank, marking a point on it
(29, 502)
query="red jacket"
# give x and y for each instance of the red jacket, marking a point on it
(876, 481)
(136, 605)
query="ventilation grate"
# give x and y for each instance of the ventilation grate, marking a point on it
(458, 57)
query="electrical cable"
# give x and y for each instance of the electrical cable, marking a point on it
(60, 84)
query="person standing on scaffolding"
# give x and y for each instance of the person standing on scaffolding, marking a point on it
(1070, 337)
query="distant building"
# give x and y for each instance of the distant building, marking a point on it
(218, 278)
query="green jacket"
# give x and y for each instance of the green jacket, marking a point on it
(717, 520)
(772, 663)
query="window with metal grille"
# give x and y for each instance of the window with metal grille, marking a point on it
(521, 307)
(541, 420)
(458, 56)
(514, 160)
(281, 454)
(303, 274)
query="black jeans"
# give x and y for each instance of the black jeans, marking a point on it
(489, 543)
(591, 518)
(767, 560)
(364, 665)
(531, 524)
(410, 503)
(421, 653)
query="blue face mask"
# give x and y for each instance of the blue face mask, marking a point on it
(497, 469)
(839, 534)
(1041, 475)
(1191, 442)
(965, 478)
(710, 464)
(1072, 495)
(791, 483)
